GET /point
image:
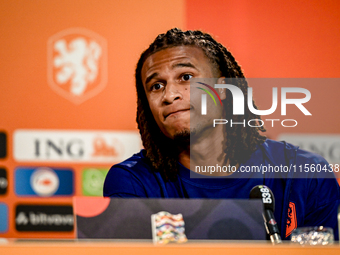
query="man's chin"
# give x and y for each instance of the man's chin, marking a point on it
(183, 136)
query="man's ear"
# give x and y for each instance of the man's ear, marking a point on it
(221, 92)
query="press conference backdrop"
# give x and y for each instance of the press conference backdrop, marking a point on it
(68, 103)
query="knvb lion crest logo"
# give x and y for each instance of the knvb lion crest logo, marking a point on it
(77, 64)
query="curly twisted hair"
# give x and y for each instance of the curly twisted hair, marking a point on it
(161, 151)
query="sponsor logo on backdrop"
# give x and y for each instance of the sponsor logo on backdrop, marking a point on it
(44, 181)
(3, 145)
(75, 146)
(77, 64)
(3, 218)
(101, 148)
(328, 146)
(44, 218)
(93, 181)
(3, 181)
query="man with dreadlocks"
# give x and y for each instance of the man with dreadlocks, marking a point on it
(168, 122)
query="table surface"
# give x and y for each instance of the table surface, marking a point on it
(103, 247)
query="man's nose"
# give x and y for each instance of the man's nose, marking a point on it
(172, 92)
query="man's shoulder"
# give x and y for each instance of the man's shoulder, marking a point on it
(295, 162)
(136, 159)
(130, 177)
(281, 150)
(137, 165)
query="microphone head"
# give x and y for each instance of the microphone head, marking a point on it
(265, 194)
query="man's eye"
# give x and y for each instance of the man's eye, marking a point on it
(186, 77)
(156, 86)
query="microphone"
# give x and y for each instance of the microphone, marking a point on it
(267, 197)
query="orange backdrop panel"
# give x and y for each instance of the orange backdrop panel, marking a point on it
(28, 102)
(280, 39)
(293, 38)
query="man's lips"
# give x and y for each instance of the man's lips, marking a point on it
(175, 112)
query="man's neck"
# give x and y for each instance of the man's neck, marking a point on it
(206, 149)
